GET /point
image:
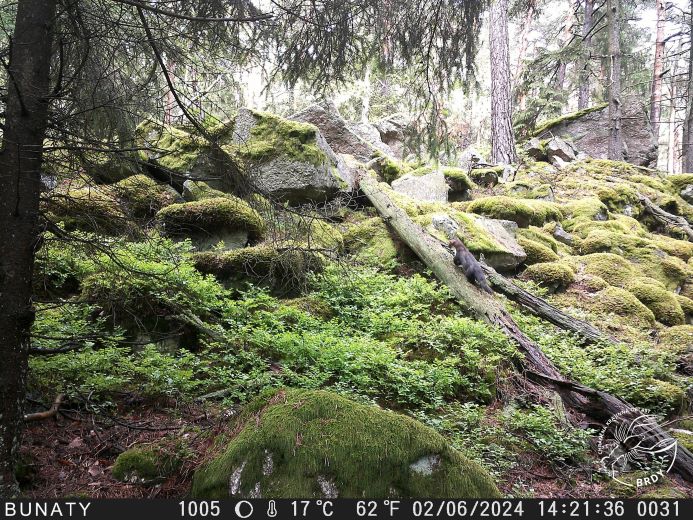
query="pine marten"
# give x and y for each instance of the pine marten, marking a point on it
(471, 268)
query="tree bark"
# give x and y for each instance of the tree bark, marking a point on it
(502, 135)
(534, 364)
(20, 171)
(587, 23)
(658, 71)
(615, 136)
(688, 123)
(543, 309)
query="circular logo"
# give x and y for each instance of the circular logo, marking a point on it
(630, 441)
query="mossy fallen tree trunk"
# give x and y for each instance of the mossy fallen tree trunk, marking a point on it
(668, 220)
(543, 309)
(535, 366)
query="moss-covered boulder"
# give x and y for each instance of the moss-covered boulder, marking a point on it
(552, 275)
(426, 186)
(283, 269)
(524, 212)
(316, 444)
(663, 304)
(145, 465)
(208, 222)
(623, 303)
(371, 242)
(536, 251)
(614, 269)
(289, 160)
(143, 196)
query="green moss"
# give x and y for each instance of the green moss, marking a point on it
(628, 487)
(529, 189)
(476, 238)
(317, 439)
(676, 339)
(615, 269)
(144, 465)
(92, 209)
(536, 252)
(686, 305)
(212, 214)
(661, 302)
(684, 439)
(616, 197)
(583, 210)
(174, 148)
(595, 284)
(279, 268)
(524, 212)
(392, 169)
(548, 125)
(199, 190)
(274, 136)
(144, 196)
(679, 181)
(678, 248)
(371, 242)
(622, 303)
(555, 275)
(541, 235)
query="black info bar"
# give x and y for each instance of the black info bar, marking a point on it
(338, 509)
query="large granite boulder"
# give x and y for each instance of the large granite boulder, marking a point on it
(588, 131)
(287, 159)
(360, 140)
(431, 186)
(317, 444)
(393, 132)
(494, 240)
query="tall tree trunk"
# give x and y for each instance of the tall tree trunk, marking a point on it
(524, 40)
(20, 171)
(688, 123)
(366, 98)
(656, 96)
(502, 135)
(587, 23)
(615, 137)
(671, 149)
(566, 38)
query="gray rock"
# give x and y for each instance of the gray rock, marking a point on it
(589, 133)
(469, 158)
(291, 179)
(430, 187)
(558, 148)
(687, 193)
(535, 150)
(358, 139)
(562, 235)
(558, 162)
(426, 465)
(445, 224)
(393, 132)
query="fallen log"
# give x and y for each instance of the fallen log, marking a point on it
(533, 363)
(540, 307)
(668, 220)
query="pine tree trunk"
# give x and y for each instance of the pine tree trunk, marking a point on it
(688, 123)
(502, 135)
(615, 136)
(656, 96)
(20, 167)
(584, 89)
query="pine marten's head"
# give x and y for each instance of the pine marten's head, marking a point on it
(455, 242)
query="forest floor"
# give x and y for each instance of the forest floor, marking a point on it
(71, 455)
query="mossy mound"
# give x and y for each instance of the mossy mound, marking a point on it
(554, 275)
(583, 210)
(91, 209)
(173, 148)
(391, 169)
(210, 215)
(622, 303)
(280, 269)
(536, 252)
(617, 197)
(661, 302)
(524, 212)
(146, 465)
(686, 305)
(676, 339)
(541, 235)
(370, 242)
(614, 269)
(680, 181)
(316, 444)
(144, 196)
(626, 486)
(199, 190)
